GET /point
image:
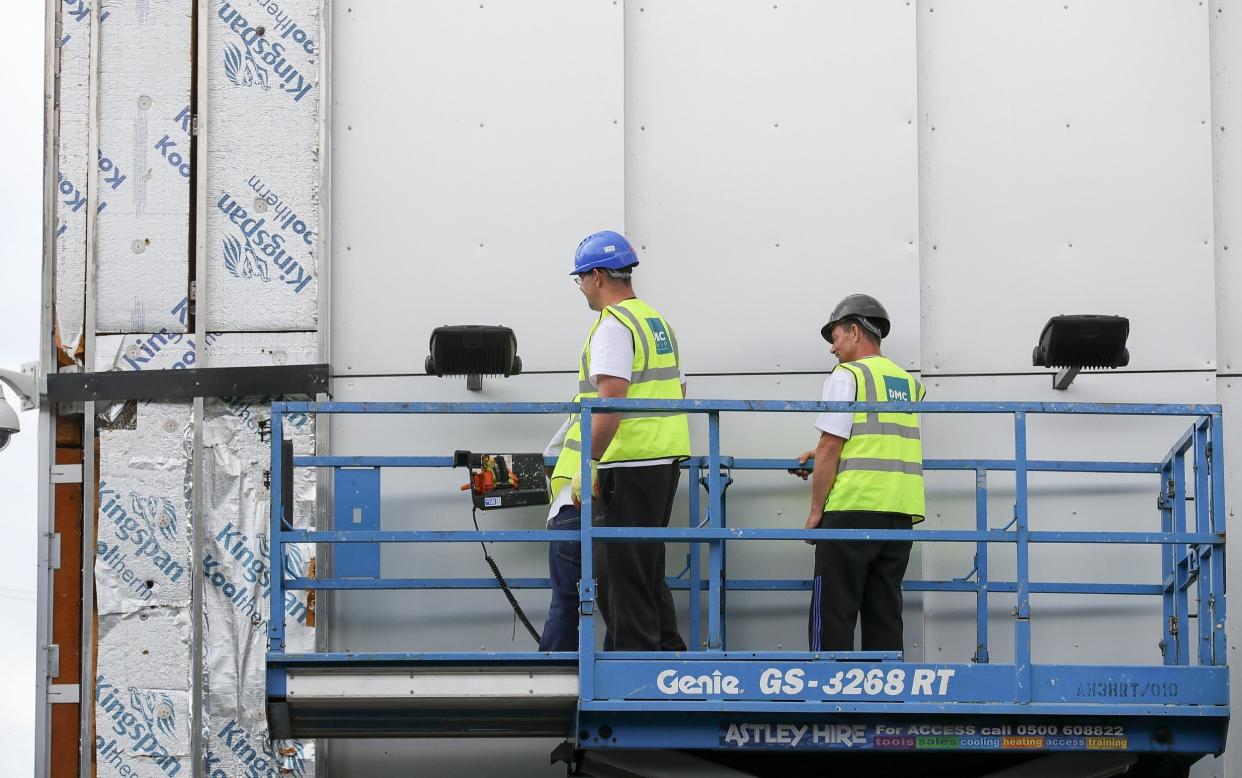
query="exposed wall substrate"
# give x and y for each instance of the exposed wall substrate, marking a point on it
(260, 103)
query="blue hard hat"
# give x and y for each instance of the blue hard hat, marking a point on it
(607, 249)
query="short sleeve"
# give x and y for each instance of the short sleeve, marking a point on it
(840, 387)
(612, 351)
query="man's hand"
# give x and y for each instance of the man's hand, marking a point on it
(812, 522)
(804, 472)
(575, 484)
(827, 455)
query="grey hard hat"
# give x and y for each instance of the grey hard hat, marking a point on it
(863, 307)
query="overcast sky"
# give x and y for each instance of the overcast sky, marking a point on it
(21, 214)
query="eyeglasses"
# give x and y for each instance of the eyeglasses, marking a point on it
(578, 278)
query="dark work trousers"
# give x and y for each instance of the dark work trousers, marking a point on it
(560, 631)
(854, 578)
(634, 598)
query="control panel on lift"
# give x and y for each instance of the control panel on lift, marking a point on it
(504, 480)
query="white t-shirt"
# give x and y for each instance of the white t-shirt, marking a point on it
(612, 354)
(612, 351)
(564, 495)
(553, 449)
(840, 387)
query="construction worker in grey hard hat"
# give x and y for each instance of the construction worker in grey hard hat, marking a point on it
(868, 474)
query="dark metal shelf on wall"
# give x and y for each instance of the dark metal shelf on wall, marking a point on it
(172, 385)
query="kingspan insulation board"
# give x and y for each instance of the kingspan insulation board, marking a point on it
(237, 564)
(262, 165)
(143, 569)
(72, 170)
(142, 247)
(142, 693)
(145, 451)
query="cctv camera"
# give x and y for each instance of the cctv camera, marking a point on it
(9, 423)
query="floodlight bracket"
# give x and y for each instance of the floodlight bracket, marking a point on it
(1065, 377)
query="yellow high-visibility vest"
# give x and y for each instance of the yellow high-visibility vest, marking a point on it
(655, 374)
(570, 459)
(881, 465)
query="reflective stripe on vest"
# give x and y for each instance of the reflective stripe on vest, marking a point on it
(654, 374)
(881, 465)
(569, 461)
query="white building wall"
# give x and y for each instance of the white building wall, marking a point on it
(1225, 42)
(979, 166)
(770, 163)
(1066, 167)
(471, 142)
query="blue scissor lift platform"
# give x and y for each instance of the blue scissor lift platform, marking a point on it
(803, 711)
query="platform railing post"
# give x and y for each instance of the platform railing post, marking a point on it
(694, 576)
(1216, 472)
(586, 584)
(1181, 563)
(715, 492)
(1022, 611)
(276, 601)
(1204, 555)
(981, 568)
(1168, 641)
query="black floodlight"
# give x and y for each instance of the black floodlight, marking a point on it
(1074, 343)
(473, 350)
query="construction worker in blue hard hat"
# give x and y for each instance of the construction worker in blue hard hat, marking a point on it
(868, 474)
(630, 352)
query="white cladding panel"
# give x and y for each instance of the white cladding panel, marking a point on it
(474, 146)
(1065, 168)
(778, 147)
(1065, 628)
(1226, 39)
(1226, 44)
(1230, 393)
(771, 170)
(429, 499)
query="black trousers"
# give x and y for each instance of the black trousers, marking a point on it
(633, 596)
(854, 578)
